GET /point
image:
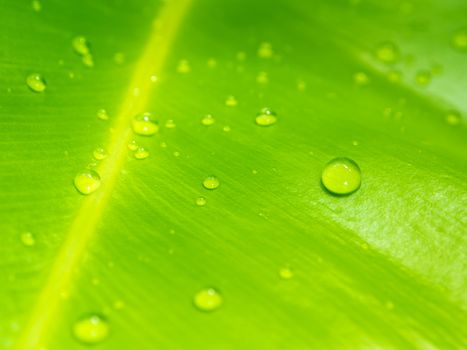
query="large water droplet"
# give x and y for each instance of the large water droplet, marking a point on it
(36, 82)
(211, 183)
(91, 329)
(341, 176)
(208, 299)
(266, 117)
(387, 52)
(144, 125)
(208, 120)
(87, 181)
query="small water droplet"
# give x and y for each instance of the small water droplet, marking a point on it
(285, 273)
(183, 67)
(118, 305)
(132, 145)
(387, 52)
(164, 144)
(301, 85)
(208, 299)
(266, 117)
(36, 5)
(81, 46)
(265, 50)
(341, 176)
(231, 101)
(423, 78)
(208, 120)
(119, 58)
(144, 125)
(153, 78)
(394, 76)
(241, 56)
(201, 201)
(212, 63)
(102, 114)
(459, 40)
(36, 82)
(226, 128)
(262, 78)
(170, 124)
(91, 329)
(361, 78)
(453, 118)
(141, 153)
(99, 153)
(28, 239)
(87, 181)
(211, 183)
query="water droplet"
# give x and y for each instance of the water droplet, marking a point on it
(265, 50)
(99, 153)
(132, 145)
(119, 58)
(241, 56)
(36, 5)
(231, 101)
(153, 78)
(423, 78)
(361, 78)
(459, 40)
(183, 67)
(36, 82)
(266, 117)
(102, 114)
(387, 52)
(144, 125)
(91, 329)
(285, 273)
(164, 144)
(87, 181)
(226, 128)
(170, 124)
(208, 299)
(211, 183)
(141, 153)
(118, 305)
(301, 85)
(453, 118)
(81, 46)
(88, 60)
(394, 76)
(341, 176)
(28, 239)
(212, 63)
(201, 201)
(208, 120)
(262, 78)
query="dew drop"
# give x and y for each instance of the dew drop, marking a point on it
(423, 78)
(226, 128)
(341, 176)
(153, 78)
(170, 124)
(211, 183)
(459, 40)
(266, 117)
(208, 299)
(132, 145)
(119, 58)
(361, 78)
(183, 67)
(141, 153)
(285, 273)
(102, 114)
(91, 329)
(231, 101)
(99, 153)
(201, 201)
(81, 46)
(208, 120)
(28, 239)
(87, 181)
(387, 52)
(36, 82)
(453, 118)
(144, 125)
(265, 50)
(262, 78)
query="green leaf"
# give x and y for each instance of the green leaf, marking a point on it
(295, 267)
